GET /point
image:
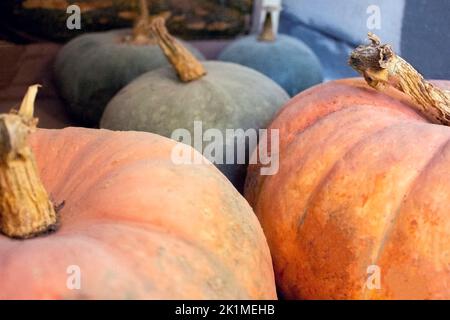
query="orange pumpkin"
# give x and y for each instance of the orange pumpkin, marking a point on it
(359, 207)
(134, 225)
(362, 191)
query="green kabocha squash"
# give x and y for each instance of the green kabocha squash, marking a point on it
(93, 67)
(219, 95)
(284, 59)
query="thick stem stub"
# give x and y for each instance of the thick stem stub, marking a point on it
(380, 67)
(25, 208)
(184, 62)
(267, 33)
(141, 29)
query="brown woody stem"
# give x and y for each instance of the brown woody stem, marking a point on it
(267, 34)
(185, 64)
(25, 208)
(141, 29)
(380, 66)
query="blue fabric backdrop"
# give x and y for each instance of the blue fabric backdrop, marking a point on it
(419, 30)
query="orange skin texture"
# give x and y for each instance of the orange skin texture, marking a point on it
(363, 180)
(137, 225)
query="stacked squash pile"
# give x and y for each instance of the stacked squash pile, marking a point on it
(361, 185)
(93, 67)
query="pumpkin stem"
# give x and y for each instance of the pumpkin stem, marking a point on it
(380, 66)
(186, 65)
(25, 208)
(267, 33)
(141, 29)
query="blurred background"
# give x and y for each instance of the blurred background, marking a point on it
(417, 29)
(33, 31)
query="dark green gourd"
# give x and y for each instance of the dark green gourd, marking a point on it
(221, 95)
(284, 59)
(93, 67)
(191, 19)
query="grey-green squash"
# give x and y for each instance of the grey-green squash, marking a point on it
(92, 68)
(284, 59)
(220, 95)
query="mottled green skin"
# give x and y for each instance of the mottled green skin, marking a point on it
(92, 68)
(230, 96)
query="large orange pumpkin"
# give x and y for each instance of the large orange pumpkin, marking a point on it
(362, 182)
(135, 225)
(359, 207)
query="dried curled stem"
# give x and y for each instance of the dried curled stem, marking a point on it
(25, 208)
(186, 65)
(380, 66)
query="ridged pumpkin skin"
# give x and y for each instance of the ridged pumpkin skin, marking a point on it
(228, 97)
(363, 181)
(93, 67)
(137, 226)
(287, 61)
